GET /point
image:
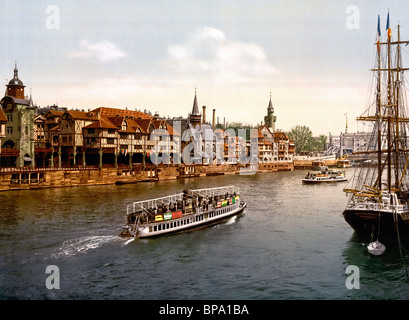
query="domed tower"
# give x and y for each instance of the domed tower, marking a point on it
(20, 125)
(15, 87)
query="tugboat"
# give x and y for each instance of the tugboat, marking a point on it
(379, 195)
(187, 210)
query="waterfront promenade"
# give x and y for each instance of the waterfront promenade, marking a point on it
(37, 178)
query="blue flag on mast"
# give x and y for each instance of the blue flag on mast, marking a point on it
(388, 29)
(378, 36)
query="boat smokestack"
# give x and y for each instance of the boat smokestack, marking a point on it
(214, 119)
(204, 114)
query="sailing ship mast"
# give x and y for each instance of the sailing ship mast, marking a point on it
(387, 117)
(379, 195)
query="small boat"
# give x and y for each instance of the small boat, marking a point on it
(344, 164)
(324, 175)
(318, 165)
(376, 248)
(179, 212)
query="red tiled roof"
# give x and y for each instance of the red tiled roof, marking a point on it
(280, 135)
(81, 115)
(102, 123)
(144, 124)
(112, 112)
(55, 113)
(133, 126)
(117, 121)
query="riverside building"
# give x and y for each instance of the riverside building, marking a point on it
(17, 145)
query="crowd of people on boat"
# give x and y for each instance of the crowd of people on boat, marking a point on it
(188, 204)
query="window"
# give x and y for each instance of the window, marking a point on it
(110, 141)
(9, 117)
(91, 131)
(9, 130)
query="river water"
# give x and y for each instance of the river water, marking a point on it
(291, 243)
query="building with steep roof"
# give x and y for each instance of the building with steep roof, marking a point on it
(18, 144)
(67, 137)
(195, 118)
(270, 119)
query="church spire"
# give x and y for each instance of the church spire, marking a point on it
(270, 107)
(270, 118)
(195, 117)
(15, 70)
(195, 110)
(30, 102)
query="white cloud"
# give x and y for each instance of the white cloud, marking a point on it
(208, 52)
(104, 51)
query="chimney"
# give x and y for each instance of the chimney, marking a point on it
(204, 114)
(214, 119)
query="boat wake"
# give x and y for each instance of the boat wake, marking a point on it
(127, 241)
(231, 220)
(82, 245)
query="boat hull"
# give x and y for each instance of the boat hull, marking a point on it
(312, 181)
(368, 221)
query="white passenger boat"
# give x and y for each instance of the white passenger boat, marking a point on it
(325, 176)
(186, 210)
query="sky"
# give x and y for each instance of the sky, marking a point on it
(312, 57)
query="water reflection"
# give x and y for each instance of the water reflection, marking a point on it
(381, 277)
(291, 243)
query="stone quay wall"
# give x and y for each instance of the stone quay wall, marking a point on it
(27, 178)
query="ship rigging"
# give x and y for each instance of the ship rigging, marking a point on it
(379, 194)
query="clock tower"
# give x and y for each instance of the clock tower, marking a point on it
(15, 87)
(19, 139)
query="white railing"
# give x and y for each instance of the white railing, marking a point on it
(373, 206)
(45, 169)
(167, 200)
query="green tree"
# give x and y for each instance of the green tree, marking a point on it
(302, 137)
(319, 143)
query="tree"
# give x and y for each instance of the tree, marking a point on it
(319, 143)
(302, 137)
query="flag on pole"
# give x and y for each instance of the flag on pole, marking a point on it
(388, 29)
(378, 36)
